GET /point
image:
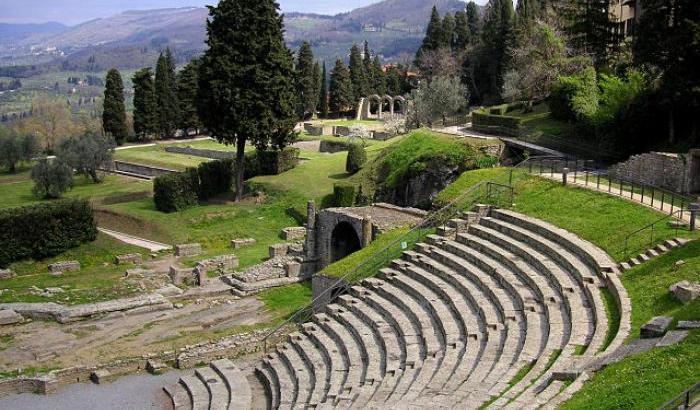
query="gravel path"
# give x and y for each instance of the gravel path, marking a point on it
(133, 240)
(136, 392)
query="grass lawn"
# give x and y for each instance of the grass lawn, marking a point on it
(157, 157)
(97, 280)
(600, 218)
(647, 380)
(284, 301)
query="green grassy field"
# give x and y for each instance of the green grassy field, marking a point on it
(647, 380)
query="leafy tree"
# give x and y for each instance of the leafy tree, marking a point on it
(187, 96)
(51, 178)
(575, 97)
(246, 89)
(323, 95)
(145, 112)
(114, 112)
(306, 82)
(438, 99)
(87, 154)
(166, 95)
(15, 148)
(360, 88)
(341, 95)
(396, 83)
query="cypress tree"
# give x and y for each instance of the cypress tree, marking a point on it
(114, 112)
(378, 76)
(317, 84)
(590, 28)
(145, 113)
(306, 82)
(323, 95)
(341, 94)
(473, 21)
(166, 95)
(433, 33)
(462, 33)
(246, 88)
(447, 37)
(186, 94)
(368, 70)
(357, 74)
(497, 39)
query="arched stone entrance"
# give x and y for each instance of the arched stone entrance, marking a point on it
(344, 241)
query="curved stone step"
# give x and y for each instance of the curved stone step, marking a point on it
(218, 392)
(317, 365)
(179, 397)
(269, 382)
(336, 357)
(284, 380)
(199, 395)
(237, 384)
(299, 373)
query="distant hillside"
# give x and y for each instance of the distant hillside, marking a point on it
(394, 29)
(10, 33)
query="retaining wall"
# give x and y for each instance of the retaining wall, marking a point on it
(675, 172)
(141, 169)
(204, 153)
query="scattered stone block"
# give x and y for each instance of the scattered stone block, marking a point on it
(278, 250)
(294, 233)
(9, 317)
(656, 327)
(188, 249)
(293, 269)
(688, 324)
(139, 272)
(134, 258)
(101, 376)
(672, 337)
(155, 367)
(169, 290)
(223, 262)
(59, 268)
(6, 274)
(685, 291)
(180, 276)
(239, 243)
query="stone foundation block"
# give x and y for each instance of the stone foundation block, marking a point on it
(239, 243)
(180, 276)
(188, 249)
(294, 233)
(672, 337)
(155, 367)
(279, 250)
(223, 263)
(10, 317)
(101, 376)
(685, 291)
(134, 258)
(59, 268)
(6, 274)
(293, 269)
(656, 327)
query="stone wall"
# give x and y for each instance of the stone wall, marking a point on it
(140, 169)
(675, 172)
(204, 153)
(322, 290)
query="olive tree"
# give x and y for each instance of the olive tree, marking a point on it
(87, 154)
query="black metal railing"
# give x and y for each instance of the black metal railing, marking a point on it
(686, 400)
(487, 192)
(649, 229)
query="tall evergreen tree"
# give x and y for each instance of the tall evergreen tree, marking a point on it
(367, 67)
(317, 84)
(166, 95)
(462, 34)
(306, 82)
(473, 20)
(341, 93)
(433, 34)
(358, 78)
(187, 97)
(145, 112)
(497, 39)
(114, 112)
(447, 37)
(590, 28)
(378, 76)
(323, 94)
(246, 88)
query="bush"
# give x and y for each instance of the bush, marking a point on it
(270, 162)
(481, 118)
(176, 191)
(356, 158)
(45, 230)
(51, 178)
(333, 146)
(575, 97)
(344, 194)
(215, 177)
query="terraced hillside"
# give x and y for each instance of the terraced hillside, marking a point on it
(498, 310)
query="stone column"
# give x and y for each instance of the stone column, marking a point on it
(311, 230)
(366, 231)
(564, 175)
(694, 212)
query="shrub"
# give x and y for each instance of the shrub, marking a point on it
(356, 157)
(333, 146)
(44, 230)
(575, 97)
(51, 178)
(270, 162)
(176, 191)
(215, 177)
(344, 194)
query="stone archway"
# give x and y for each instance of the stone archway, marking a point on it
(344, 241)
(398, 105)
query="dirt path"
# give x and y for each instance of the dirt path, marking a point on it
(136, 241)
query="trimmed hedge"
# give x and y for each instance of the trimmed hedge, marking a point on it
(356, 158)
(176, 191)
(344, 194)
(270, 162)
(480, 118)
(333, 146)
(44, 230)
(215, 177)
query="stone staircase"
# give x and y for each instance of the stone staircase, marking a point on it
(451, 324)
(651, 253)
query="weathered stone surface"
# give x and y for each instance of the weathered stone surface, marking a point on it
(134, 258)
(59, 268)
(685, 291)
(672, 337)
(188, 249)
(293, 269)
(239, 243)
(294, 233)
(101, 376)
(278, 250)
(222, 263)
(169, 290)
(140, 272)
(688, 324)
(6, 274)
(155, 367)
(181, 276)
(9, 317)
(656, 327)
(671, 171)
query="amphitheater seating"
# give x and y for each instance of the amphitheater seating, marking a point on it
(451, 324)
(220, 386)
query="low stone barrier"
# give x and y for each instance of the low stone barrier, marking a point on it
(134, 258)
(239, 243)
(333, 146)
(140, 169)
(180, 276)
(59, 268)
(188, 249)
(198, 152)
(294, 233)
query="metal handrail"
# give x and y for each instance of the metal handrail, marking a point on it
(651, 225)
(682, 401)
(443, 214)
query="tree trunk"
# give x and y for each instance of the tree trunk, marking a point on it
(12, 167)
(240, 167)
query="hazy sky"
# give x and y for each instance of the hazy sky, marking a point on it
(77, 11)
